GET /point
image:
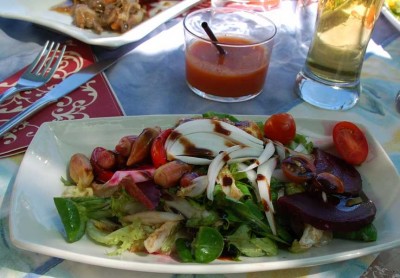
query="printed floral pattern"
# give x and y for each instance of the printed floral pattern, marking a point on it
(93, 99)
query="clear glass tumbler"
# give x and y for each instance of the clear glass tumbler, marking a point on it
(330, 78)
(239, 74)
(254, 5)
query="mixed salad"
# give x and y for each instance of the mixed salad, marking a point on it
(214, 186)
(394, 7)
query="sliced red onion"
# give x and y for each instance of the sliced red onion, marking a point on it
(137, 176)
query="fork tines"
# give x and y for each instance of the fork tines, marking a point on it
(42, 63)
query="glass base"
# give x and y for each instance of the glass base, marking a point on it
(222, 99)
(327, 95)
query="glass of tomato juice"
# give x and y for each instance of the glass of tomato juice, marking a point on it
(246, 38)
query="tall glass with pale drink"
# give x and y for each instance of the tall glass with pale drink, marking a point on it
(330, 78)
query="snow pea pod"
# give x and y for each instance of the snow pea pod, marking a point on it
(367, 233)
(208, 245)
(184, 250)
(75, 212)
(74, 222)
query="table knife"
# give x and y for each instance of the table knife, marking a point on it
(66, 86)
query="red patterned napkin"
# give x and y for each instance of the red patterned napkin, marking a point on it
(91, 100)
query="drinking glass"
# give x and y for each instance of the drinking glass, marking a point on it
(238, 74)
(330, 78)
(255, 5)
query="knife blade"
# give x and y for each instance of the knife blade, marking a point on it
(65, 87)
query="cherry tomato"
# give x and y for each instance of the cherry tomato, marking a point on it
(158, 153)
(350, 142)
(298, 169)
(280, 127)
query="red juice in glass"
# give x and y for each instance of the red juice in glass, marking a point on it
(240, 72)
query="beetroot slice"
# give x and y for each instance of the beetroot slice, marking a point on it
(326, 162)
(333, 215)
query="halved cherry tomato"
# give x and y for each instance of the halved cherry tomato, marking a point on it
(158, 153)
(350, 142)
(328, 183)
(280, 127)
(298, 169)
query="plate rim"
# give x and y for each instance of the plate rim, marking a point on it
(178, 267)
(390, 17)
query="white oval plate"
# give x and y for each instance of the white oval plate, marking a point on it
(35, 224)
(390, 16)
(39, 12)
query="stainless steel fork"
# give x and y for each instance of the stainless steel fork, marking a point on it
(39, 72)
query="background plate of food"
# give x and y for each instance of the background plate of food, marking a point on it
(110, 23)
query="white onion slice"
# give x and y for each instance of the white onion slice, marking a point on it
(268, 151)
(197, 187)
(155, 240)
(154, 217)
(190, 159)
(252, 177)
(212, 143)
(216, 166)
(221, 128)
(264, 173)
